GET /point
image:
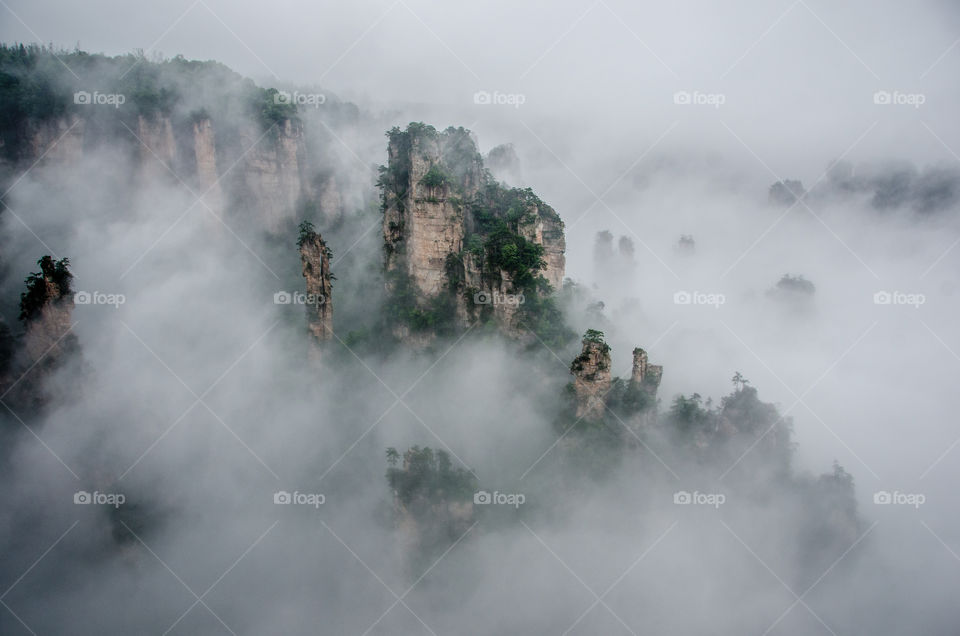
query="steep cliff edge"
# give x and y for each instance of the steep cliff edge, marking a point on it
(172, 121)
(461, 249)
(275, 171)
(315, 261)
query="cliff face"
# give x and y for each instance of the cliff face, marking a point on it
(423, 222)
(272, 179)
(157, 148)
(56, 140)
(592, 379)
(274, 173)
(205, 165)
(315, 259)
(450, 232)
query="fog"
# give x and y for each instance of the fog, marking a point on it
(198, 398)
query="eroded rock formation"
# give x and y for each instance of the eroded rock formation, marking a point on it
(596, 393)
(272, 179)
(645, 376)
(274, 172)
(315, 259)
(455, 240)
(592, 378)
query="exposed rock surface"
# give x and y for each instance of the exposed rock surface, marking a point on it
(644, 375)
(157, 148)
(592, 379)
(439, 205)
(57, 140)
(315, 258)
(596, 392)
(46, 311)
(46, 332)
(274, 172)
(272, 178)
(205, 158)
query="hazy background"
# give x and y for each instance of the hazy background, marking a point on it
(599, 138)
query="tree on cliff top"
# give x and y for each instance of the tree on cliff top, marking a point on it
(56, 273)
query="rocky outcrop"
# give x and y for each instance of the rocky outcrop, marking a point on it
(157, 148)
(595, 392)
(645, 376)
(268, 184)
(274, 170)
(46, 309)
(205, 165)
(45, 334)
(315, 259)
(440, 210)
(423, 220)
(56, 140)
(592, 378)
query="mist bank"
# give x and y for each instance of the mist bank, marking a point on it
(204, 403)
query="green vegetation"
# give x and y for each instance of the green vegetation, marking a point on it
(597, 337)
(39, 83)
(626, 399)
(53, 272)
(795, 285)
(428, 477)
(435, 177)
(306, 233)
(497, 222)
(403, 307)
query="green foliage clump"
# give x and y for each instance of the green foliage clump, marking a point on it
(58, 273)
(435, 177)
(427, 476)
(595, 336)
(403, 307)
(687, 414)
(271, 110)
(521, 259)
(626, 399)
(306, 233)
